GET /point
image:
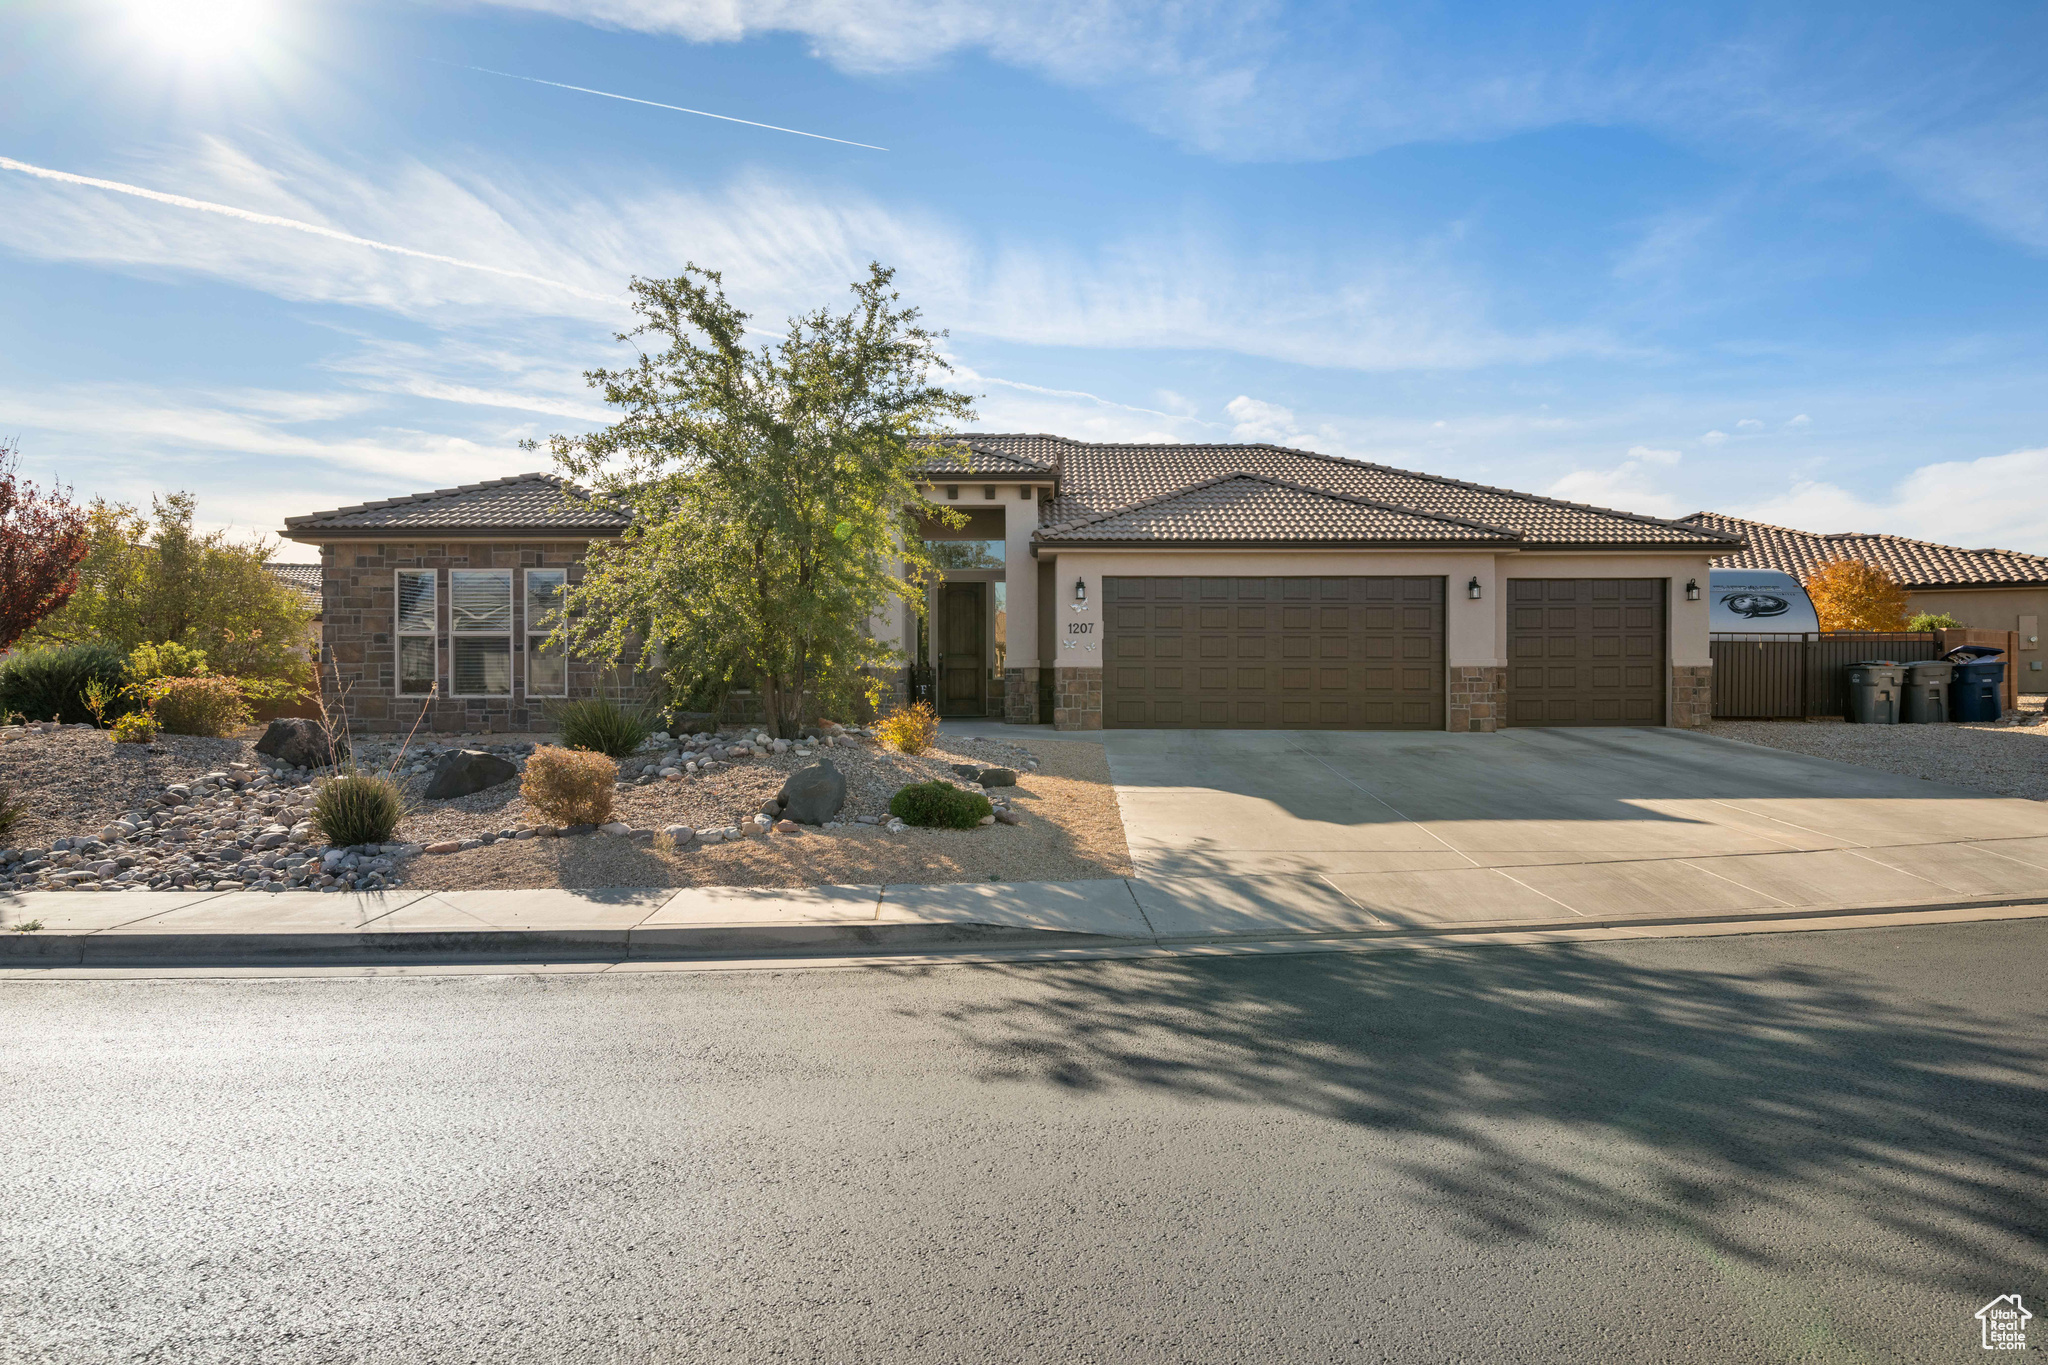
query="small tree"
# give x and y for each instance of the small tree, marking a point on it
(773, 492)
(1850, 594)
(153, 580)
(42, 539)
(1934, 620)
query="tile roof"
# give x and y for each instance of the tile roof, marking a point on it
(1914, 563)
(1097, 478)
(303, 577)
(519, 502)
(987, 460)
(1240, 508)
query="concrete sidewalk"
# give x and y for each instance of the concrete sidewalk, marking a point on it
(148, 929)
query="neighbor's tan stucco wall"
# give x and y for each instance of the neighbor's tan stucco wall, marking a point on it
(2018, 609)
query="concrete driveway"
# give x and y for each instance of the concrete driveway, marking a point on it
(1235, 832)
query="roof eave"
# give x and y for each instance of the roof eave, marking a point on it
(317, 534)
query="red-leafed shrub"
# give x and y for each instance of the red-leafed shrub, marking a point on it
(42, 538)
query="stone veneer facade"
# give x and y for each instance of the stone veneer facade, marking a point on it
(359, 587)
(1077, 699)
(1692, 695)
(1478, 700)
(1020, 696)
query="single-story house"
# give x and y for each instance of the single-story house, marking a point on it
(1122, 585)
(1984, 589)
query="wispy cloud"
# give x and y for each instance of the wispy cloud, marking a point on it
(656, 104)
(1998, 500)
(782, 247)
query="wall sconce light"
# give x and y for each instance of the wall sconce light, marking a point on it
(1024, 491)
(988, 492)
(1472, 588)
(953, 492)
(1080, 590)
(1692, 590)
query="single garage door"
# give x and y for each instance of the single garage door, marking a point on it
(1274, 653)
(1585, 651)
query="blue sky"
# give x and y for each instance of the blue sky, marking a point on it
(1790, 265)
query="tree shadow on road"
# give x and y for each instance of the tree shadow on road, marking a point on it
(1749, 1086)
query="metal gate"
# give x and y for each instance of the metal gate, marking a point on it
(1765, 676)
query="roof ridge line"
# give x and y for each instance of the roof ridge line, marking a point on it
(1502, 531)
(564, 485)
(1872, 535)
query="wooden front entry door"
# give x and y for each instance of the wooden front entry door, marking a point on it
(961, 665)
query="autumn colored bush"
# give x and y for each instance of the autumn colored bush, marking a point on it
(909, 729)
(43, 536)
(570, 786)
(1850, 594)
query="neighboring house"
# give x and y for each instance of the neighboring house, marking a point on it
(1984, 589)
(305, 580)
(1244, 586)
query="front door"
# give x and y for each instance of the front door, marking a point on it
(961, 665)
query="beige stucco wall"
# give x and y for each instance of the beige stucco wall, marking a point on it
(1475, 633)
(1019, 517)
(2019, 609)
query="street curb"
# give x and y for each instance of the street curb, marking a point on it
(653, 943)
(657, 943)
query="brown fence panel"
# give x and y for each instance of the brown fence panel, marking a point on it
(1759, 677)
(1832, 651)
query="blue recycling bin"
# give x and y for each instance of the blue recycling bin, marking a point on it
(1977, 692)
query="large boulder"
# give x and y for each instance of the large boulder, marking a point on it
(298, 743)
(998, 777)
(815, 794)
(465, 771)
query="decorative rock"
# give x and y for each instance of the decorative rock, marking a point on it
(967, 771)
(986, 820)
(445, 846)
(678, 835)
(896, 826)
(568, 830)
(616, 827)
(1008, 817)
(788, 827)
(772, 807)
(466, 771)
(998, 777)
(813, 795)
(297, 743)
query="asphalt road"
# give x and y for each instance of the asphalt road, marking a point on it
(1794, 1147)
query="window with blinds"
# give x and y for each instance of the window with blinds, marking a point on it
(415, 627)
(547, 666)
(480, 632)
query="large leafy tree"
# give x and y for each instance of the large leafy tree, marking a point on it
(153, 579)
(42, 539)
(1850, 594)
(775, 508)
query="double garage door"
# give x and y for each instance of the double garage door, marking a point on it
(1274, 653)
(1366, 653)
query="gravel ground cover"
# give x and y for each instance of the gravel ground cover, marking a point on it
(1070, 828)
(2008, 759)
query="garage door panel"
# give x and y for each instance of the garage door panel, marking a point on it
(1339, 653)
(1601, 643)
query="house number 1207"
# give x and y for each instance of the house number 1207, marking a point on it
(1080, 627)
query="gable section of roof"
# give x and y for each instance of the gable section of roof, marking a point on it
(1244, 508)
(992, 461)
(518, 502)
(1103, 477)
(1914, 563)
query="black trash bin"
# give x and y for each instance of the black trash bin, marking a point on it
(1927, 689)
(1874, 692)
(1978, 691)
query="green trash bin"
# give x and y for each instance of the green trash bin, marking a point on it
(1874, 688)
(1927, 686)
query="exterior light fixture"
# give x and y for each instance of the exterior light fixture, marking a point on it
(1080, 590)
(1472, 588)
(953, 491)
(988, 492)
(1024, 491)
(1692, 590)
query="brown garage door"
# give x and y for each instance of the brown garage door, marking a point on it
(1274, 653)
(1585, 651)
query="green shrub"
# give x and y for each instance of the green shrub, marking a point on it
(601, 725)
(137, 727)
(209, 706)
(51, 683)
(358, 809)
(148, 662)
(1934, 620)
(939, 805)
(11, 811)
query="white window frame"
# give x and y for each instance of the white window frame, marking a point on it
(534, 634)
(400, 632)
(457, 634)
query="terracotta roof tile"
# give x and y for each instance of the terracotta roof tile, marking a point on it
(303, 577)
(988, 460)
(519, 502)
(1914, 563)
(1240, 508)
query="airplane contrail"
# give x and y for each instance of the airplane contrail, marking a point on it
(296, 225)
(655, 104)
